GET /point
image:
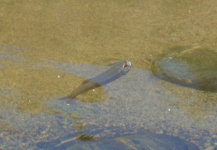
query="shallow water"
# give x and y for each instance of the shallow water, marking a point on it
(48, 48)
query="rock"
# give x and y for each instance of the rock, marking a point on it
(137, 142)
(190, 66)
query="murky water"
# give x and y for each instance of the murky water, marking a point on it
(48, 48)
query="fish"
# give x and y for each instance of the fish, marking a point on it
(116, 71)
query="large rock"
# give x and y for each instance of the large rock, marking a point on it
(131, 142)
(191, 66)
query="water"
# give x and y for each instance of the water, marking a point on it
(54, 46)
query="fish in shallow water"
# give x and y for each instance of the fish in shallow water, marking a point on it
(115, 72)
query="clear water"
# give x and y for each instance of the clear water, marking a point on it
(48, 48)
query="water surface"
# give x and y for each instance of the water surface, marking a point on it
(48, 48)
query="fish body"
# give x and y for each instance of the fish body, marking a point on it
(115, 72)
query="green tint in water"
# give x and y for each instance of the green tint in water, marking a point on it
(33, 86)
(84, 32)
(189, 66)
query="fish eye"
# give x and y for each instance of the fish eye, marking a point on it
(125, 65)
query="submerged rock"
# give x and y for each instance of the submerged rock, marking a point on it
(137, 142)
(190, 66)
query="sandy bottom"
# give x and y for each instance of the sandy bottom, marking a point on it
(48, 48)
